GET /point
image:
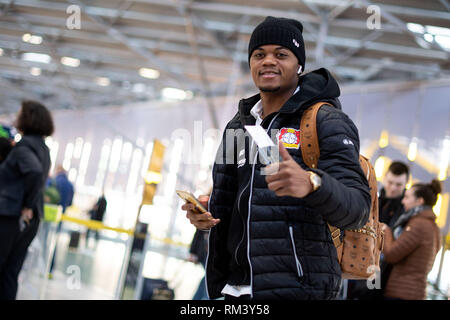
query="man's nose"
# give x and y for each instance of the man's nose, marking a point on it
(269, 59)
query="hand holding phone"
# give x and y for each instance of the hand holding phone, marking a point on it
(23, 224)
(196, 212)
(189, 197)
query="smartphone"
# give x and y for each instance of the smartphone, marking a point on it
(23, 224)
(189, 197)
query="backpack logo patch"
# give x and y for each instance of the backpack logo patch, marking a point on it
(289, 137)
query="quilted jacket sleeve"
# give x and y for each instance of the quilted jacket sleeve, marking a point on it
(343, 198)
(395, 250)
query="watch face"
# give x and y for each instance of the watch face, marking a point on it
(315, 180)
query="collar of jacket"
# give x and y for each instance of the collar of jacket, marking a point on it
(34, 142)
(424, 212)
(427, 213)
(318, 85)
(393, 202)
(420, 211)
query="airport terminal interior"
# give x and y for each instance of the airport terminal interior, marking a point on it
(141, 90)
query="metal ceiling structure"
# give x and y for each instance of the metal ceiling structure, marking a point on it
(201, 46)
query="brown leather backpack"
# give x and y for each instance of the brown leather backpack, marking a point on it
(359, 250)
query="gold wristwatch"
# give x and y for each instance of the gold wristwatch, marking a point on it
(315, 179)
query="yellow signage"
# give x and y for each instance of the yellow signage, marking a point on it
(149, 193)
(153, 175)
(157, 157)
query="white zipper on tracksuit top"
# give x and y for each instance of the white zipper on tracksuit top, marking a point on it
(249, 211)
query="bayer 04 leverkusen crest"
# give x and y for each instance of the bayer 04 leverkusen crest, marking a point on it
(289, 137)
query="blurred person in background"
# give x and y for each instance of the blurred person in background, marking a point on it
(391, 194)
(22, 181)
(8, 132)
(65, 188)
(412, 243)
(66, 191)
(6, 141)
(97, 213)
(391, 208)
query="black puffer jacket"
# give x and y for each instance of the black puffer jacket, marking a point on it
(281, 246)
(23, 175)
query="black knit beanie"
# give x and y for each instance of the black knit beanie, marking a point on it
(282, 31)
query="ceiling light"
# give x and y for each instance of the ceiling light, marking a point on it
(138, 87)
(429, 37)
(412, 149)
(414, 27)
(176, 94)
(36, 57)
(149, 73)
(29, 38)
(70, 62)
(26, 37)
(35, 71)
(384, 139)
(379, 167)
(102, 81)
(444, 41)
(438, 31)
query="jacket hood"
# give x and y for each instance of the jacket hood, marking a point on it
(315, 86)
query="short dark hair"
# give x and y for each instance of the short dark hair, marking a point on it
(34, 118)
(398, 168)
(428, 192)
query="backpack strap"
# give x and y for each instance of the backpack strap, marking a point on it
(309, 145)
(308, 136)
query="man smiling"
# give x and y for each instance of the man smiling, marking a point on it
(269, 237)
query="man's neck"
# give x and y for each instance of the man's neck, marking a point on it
(273, 101)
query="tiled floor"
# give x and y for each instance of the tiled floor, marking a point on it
(87, 272)
(91, 271)
(58, 289)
